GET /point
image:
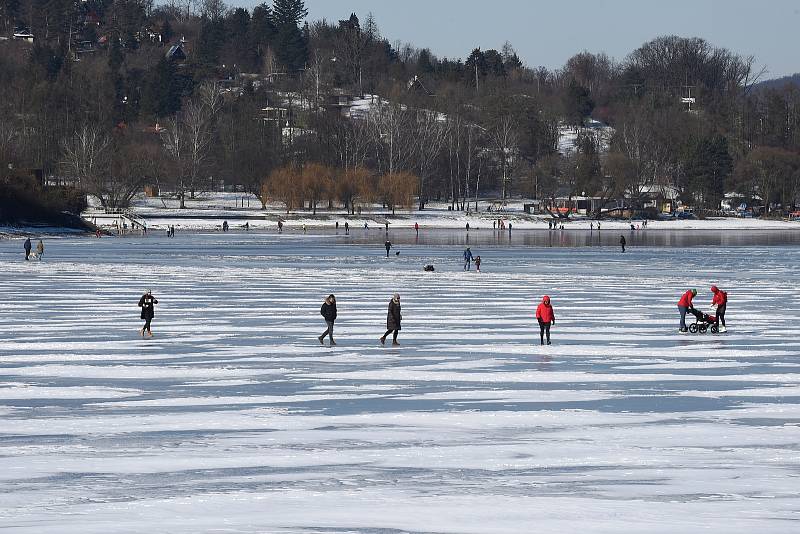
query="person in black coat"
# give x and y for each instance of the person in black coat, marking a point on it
(147, 304)
(393, 318)
(622, 242)
(27, 246)
(328, 312)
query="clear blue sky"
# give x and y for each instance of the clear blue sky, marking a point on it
(549, 32)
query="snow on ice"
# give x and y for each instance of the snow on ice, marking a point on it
(233, 418)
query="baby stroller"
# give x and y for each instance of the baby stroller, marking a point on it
(702, 322)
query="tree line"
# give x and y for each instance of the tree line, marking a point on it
(115, 94)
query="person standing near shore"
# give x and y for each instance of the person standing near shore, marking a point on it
(546, 317)
(393, 318)
(720, 301)
(147, 304)
(328, 312)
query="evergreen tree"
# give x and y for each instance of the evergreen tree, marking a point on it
(260, 34)
(578, 104)
(211, 41)
(162, 95)
(291, 43)
(707, 168)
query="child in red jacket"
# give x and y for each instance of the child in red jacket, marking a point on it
(546, 317)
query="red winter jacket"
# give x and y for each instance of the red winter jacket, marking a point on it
(544, 312)
(720, 297)
(686, 299)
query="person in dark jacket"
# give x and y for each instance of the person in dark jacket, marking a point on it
(546, 316)
(328, 312)
(393, 318)
(720, 300)
(622, 242)
(147, 304)
(27, 246)
(467, 259)
(388, 246)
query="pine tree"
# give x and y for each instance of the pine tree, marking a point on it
(291, 43)
(162, 95)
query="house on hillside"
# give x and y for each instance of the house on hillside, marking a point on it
(91, 19)
(275, 114)
(177, 52)
(416, 86)
(23, 34)
(340, 104)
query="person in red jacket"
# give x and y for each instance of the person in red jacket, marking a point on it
(683, 306)
(720, 301)
(546, 317)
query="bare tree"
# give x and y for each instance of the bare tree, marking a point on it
(84, 158)
(188, 138)
(398, 189)
(352, 185)
(316, 181)
(390, 124)
(505, 140)
(430, 135)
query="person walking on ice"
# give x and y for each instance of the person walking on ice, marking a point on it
(478, 263)
(147, 304)
(546, 317)
(467, 259)
(684, 304)
(393, 318)
(27, 247)
(328, 311)
(388, 246)
(39, 250)
(720, 301)
(622, 242)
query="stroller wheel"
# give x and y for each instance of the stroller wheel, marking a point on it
(702, 329)
(714, 329)
(693, 328)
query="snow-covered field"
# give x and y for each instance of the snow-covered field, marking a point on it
(234, 419)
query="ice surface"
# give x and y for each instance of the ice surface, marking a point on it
(234, 419)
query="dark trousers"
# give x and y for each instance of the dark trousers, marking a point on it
(146, 327)
(544, 329)
(329, 331)
(393, 332)
(721, 314)
(683, 310)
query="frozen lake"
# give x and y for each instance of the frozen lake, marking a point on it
(234, 419)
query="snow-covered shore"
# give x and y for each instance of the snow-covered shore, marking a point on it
(238, 209)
